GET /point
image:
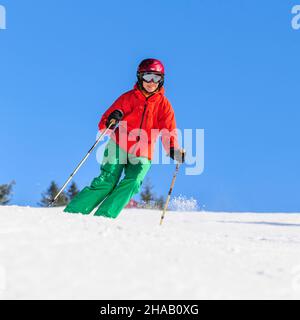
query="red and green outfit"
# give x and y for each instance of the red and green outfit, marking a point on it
(133, 152)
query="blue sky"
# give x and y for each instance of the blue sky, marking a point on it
(232, 69)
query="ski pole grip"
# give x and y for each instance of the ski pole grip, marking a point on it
(113, 122)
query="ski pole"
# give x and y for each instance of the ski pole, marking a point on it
(81, 163)
(169, 194)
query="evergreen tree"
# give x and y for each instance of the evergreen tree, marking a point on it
(50, 194)
(72, 191)
(159, 203)
(5, 192)
(147, 196)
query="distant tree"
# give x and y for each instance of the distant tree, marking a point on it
(5, 192)
(159, 203)
(72, 191)
(147, 195)
(50, 194)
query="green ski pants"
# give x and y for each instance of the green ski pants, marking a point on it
(105, 189)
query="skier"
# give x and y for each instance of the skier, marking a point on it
(142, 114)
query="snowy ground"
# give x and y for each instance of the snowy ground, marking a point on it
(46, 254)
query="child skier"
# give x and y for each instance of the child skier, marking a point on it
(145, 113)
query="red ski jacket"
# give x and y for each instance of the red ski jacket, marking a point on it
(144, 120)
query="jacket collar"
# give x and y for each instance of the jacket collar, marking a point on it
(154, 97)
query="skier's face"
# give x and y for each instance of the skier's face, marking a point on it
(150, 86)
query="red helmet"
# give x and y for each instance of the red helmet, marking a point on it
(151, 65)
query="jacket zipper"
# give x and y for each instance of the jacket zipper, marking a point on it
(143, 116)
(145, 107)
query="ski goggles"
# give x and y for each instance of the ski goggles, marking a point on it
(148, 77)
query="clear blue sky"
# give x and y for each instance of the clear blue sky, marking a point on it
(232, 70)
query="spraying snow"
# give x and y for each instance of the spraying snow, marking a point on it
(47, 254)
(182, 203)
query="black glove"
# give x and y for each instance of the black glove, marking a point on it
(177, 154)
(116, 115)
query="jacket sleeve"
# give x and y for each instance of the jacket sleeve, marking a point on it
(168, 129)
(119, 104)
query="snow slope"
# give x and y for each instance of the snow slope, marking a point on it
(47, 254)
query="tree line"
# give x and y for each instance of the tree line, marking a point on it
(6, 192)
(148, 198)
